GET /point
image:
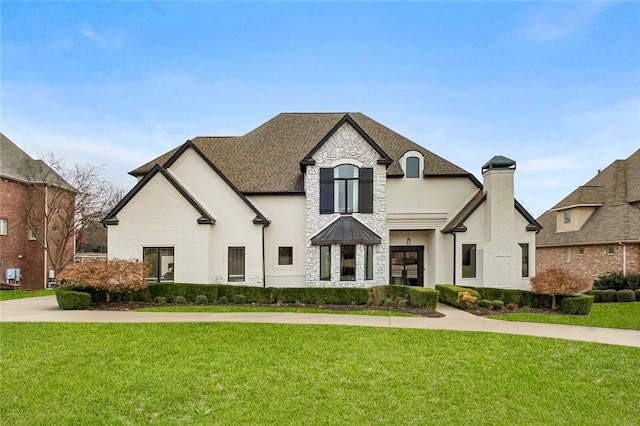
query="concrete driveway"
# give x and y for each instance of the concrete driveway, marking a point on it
(45, 309)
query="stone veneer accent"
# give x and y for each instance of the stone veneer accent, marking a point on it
(346, 146)
(594, 262)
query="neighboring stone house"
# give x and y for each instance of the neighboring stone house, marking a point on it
(28, 188)
(595, 229)
(323, 199)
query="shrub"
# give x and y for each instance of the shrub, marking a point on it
(626, 296)
(423, 297)
(448, 293)
(201, 299)
(577, 305)
(597, 295)
(69, 299)
(512, 306)
(613, 280)
(401, 303)
(239, 299)
(638, 295)
(497, 304)
(180, 299)
(223, 300)
(188, 291)
(159, 300)
(609, 295)
(519, 297)
(387, 302)
(466, 299)
(555, 282)
(484, 303)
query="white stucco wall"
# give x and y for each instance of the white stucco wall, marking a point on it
(287, 229)
(346, 146)
(159, 216)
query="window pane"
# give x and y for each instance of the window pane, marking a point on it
(325, 263)
(352, 196)
(413, 167)
(368, 262)
(3, 226)
(236, 264)
(348, 263)
(285, 255)
(340, 195)
(567, 217)
(150, 255)
(525, 259)
(468, 261)
(345, 171)
(567, 254)
(166, 264)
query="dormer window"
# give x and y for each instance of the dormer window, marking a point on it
(412, 167)
(567, 216)
(346, 189)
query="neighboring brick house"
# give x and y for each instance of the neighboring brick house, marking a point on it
(323, 200)
(596, 229)
(27, 190)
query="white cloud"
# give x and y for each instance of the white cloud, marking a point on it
(100, 39)
(552, 24)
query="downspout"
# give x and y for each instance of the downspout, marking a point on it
(454, 257)
(624, 258)
(46, 240)
(264, 273)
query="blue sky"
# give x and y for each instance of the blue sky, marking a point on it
(554, 86)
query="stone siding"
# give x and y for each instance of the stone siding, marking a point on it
(594, 262)
(346, 146)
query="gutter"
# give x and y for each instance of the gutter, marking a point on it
(454, 257)
(264, 273)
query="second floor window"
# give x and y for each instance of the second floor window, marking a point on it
(346, 189)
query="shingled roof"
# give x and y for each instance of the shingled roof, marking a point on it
(267, 159)
(15, 164)
(615, 192)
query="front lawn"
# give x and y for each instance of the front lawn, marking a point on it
(21, 294)
(264, 374)
(348, 310)
(610, 315)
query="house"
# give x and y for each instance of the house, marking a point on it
(595, 229)
(33, 199)
(323, 199)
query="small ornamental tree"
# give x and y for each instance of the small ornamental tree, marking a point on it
(555, 281)
(112, 276)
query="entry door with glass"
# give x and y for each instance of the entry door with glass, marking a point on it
(407, 265)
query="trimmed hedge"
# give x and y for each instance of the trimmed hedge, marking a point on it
(577, 305)
(449, 295)
(69, 299)
(519, 297)
(626, 296)
(609, 295)
(638, 295)
(597, 295)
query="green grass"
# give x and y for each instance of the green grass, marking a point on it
(296, 309)
(610, 315)
(262, 374)
(21, 294)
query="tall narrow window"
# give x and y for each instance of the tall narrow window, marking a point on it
(3, 226)
(468, 261)
(525, 259)
(412, 167)
(345, 192)
(32, 235)
(236, 264)
(285, 255)
(567, 216)
(567, 254)
(325, 263)
(348, 263)
(368, 262)
(161, 261)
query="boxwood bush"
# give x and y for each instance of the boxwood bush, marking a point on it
(597, 295)
(626, 296)
(518, 297)
(69, 299)
(577, 305)
(609, 295)
(448, 293)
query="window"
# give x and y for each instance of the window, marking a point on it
(468, 261)
(611, 249)
(567, 216)
(525, 259)
(368, 262)
(285, 255)
(325, 263)
(581, 250)
(567, 255)
(412, 167)
(348, 263)
(236, 264)
(160, 259)
(32, 234)
(3, 226)
(346, 189)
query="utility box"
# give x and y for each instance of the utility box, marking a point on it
(12, 275)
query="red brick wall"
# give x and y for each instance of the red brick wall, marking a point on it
(594, 262)
(16, 250)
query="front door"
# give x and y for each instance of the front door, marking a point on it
(407, 265)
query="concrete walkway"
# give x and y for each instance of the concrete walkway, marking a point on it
(45, 309)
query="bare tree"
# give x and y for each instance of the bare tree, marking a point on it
(61, 201)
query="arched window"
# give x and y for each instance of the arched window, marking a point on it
(412, 167)
(345, 188)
